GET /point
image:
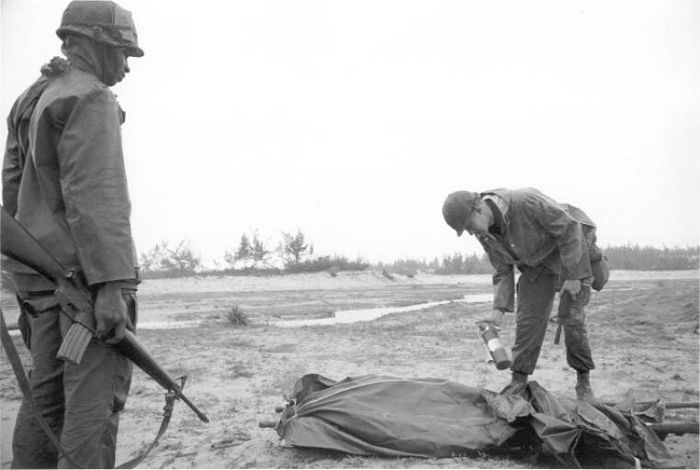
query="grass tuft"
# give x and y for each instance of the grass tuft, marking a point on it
(237, 317)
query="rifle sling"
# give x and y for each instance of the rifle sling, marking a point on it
(167, 413)
(23, 382)
(16, 363)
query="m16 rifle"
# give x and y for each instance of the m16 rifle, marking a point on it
(76, 303)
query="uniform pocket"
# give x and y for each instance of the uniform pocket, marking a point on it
(37, 305)
(33, 304)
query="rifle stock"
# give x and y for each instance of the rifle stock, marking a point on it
(21, 246)
(23, 249)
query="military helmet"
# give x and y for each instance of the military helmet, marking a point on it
(458, 207)
(103, 21)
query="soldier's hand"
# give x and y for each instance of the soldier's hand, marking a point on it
(495, 319)
(572, 286)
(110, 313)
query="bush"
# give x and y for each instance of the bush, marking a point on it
(249, 271)
(237, 317)
(333, 265)
(166, 261)
(409, 267)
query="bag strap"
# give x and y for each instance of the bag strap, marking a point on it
(20, 375)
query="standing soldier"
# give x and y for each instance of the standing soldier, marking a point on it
(64, 181)
(548, 244)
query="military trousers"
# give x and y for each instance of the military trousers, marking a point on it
(535, 293)
(80, 403)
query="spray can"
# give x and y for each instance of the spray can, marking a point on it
(489, 336)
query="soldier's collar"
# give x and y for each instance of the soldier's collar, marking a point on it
(499, 222)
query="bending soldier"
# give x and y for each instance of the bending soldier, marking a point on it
(546, 241)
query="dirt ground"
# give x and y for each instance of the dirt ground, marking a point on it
(643, 329)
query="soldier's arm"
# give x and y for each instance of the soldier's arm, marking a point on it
(503, 279)
(11, 167)
(94, 189)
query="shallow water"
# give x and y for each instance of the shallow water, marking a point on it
(341, 316)
(369, 314)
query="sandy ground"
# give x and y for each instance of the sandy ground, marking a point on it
(643, 329)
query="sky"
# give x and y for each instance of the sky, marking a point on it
(352, 120)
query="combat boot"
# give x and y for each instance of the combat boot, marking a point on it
(584, 392)
(517, 384)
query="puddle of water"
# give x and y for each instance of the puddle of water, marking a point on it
(369, 314)
(342, 316)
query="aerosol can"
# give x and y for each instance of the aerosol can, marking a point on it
(489, 336)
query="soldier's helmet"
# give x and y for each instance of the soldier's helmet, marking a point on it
(102, 20)
(457, 207)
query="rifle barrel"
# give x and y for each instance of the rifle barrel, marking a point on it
(668, 406)
(675, 428)
(134, 350)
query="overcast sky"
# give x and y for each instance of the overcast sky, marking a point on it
(352, 120)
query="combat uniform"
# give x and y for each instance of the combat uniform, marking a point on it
(548, 243)
(64, 180)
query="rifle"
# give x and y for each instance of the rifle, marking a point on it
(76, 303)
(664, 429)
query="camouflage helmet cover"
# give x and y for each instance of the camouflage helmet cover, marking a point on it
(103, 21)
(457, 207)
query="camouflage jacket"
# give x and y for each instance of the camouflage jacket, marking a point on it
(534, 233)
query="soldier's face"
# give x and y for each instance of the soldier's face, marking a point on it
(117, 65)
(122, 62)
(478, 222)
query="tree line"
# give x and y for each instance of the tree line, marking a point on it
(252, 256)
(293, 253)
(648, 258)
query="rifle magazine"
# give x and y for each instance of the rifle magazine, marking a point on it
(75, 343)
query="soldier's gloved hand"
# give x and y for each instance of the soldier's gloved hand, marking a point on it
(110, 313)
(495, 319)
(572, 286)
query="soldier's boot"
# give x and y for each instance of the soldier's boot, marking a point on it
(584, 392)
(517, 385)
